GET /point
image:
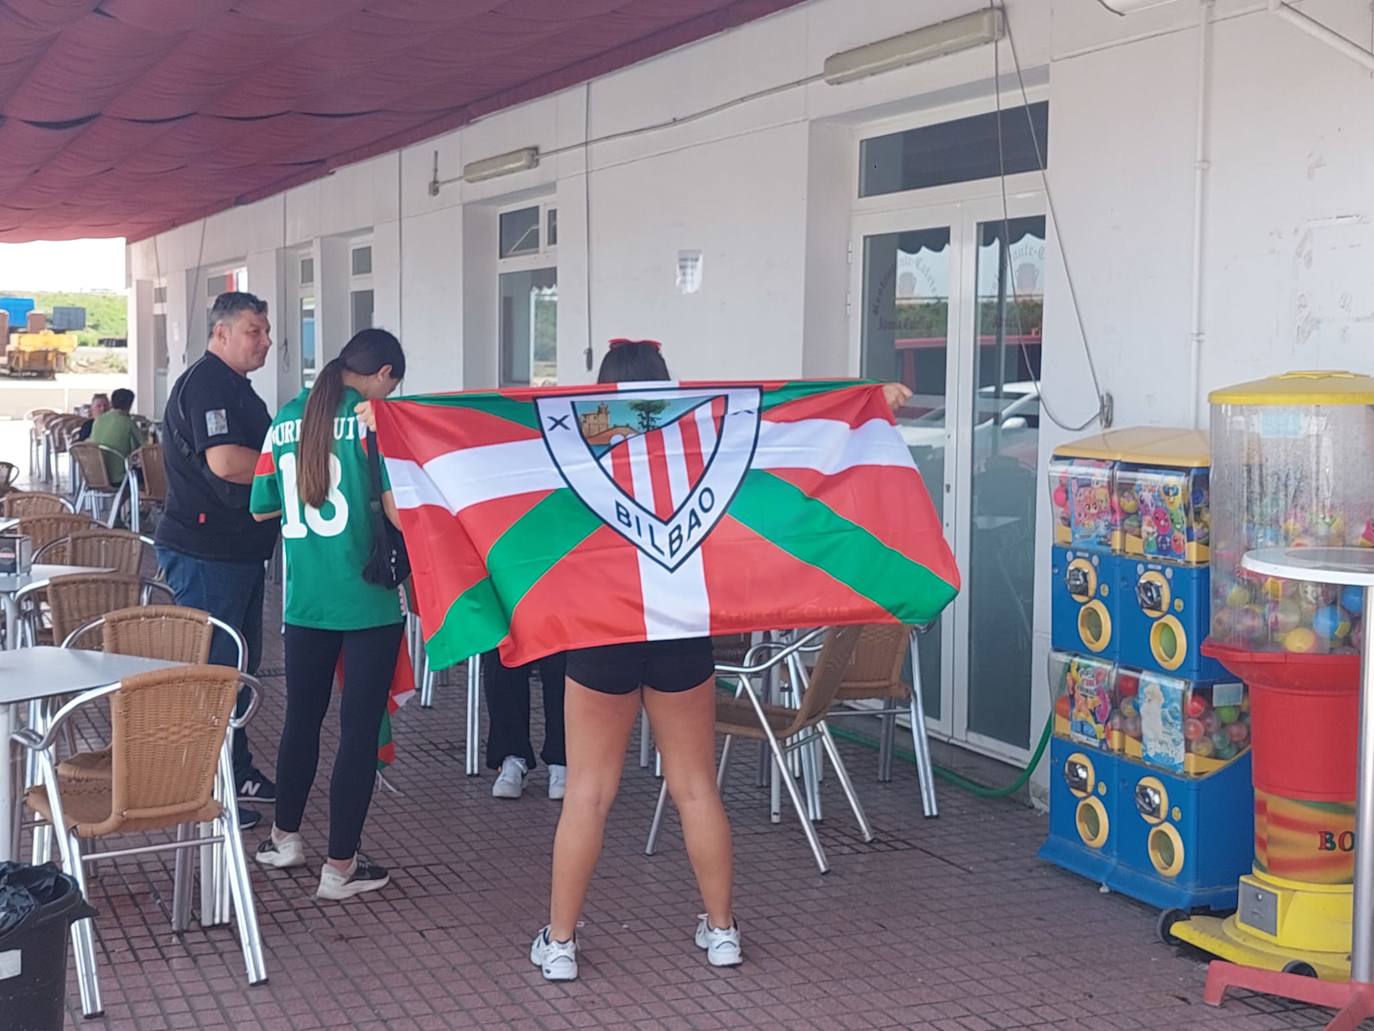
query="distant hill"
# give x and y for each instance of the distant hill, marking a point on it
(107, 312)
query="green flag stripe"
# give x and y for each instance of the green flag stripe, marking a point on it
(532, 545)
(797, 390)
(813, 533)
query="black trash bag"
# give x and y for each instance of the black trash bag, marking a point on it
(37, 906)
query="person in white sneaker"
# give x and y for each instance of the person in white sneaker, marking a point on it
(675, 682)
(316, 478)
(508, 729)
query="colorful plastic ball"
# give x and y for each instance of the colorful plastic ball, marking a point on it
(1061, 497)
(1228, 713)
(1203, 747)
(1251, 627)
(1223, 749)
(1128, 502)
(1212, 723)
(1238, 596)
(1352, 600)
(1127, 684)
(1128, 707)
(1239, 733)
(1194, 730)
(1330, 622)
(1063, 706)
(1300, 640)
(1132, 727)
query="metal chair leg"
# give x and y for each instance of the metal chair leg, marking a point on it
(652, 843)
(780, 760)
(214, 887)
(183, 879)
(886, 739)
(240, 882)
(724, 766)
(810, 771)
(645, 738)
(474, 713)
(845, 782)
(83, 931)
(920, 741)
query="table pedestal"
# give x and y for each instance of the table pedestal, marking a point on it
(1354, 1002)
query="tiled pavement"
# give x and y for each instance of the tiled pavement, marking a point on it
(949, 923)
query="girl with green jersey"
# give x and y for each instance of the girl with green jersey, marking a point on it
(313, 474)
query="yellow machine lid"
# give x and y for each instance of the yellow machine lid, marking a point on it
(1144, 445)
(1300, 388)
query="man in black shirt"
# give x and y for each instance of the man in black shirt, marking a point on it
(211, 550)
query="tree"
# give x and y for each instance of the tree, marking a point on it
(648, 412)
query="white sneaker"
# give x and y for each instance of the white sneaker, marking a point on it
(510, 782)
(721, 944)
(290, 851)
(364, 876)
(557, 960)
(558, 782)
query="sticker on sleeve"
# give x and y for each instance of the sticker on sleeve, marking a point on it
(216, 423)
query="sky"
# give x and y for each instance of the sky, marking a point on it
(66, 265)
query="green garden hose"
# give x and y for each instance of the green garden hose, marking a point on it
(973, 787)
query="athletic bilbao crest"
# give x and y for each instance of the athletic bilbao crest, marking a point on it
(657, 464)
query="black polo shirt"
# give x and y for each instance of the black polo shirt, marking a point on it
(207, 517)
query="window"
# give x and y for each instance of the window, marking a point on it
(529, 328)
(527, 291)
(520, 232)
(361, 260)
(360, 302)
(956, 152)
(307, 271)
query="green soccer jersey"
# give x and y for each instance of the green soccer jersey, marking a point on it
(326, 547)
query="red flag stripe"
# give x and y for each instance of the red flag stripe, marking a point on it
(603, 568)
(266, 466)
(742, 567)
(620, 468)
(434, 430)
(691, 446)
(658, 474)
(855, 405)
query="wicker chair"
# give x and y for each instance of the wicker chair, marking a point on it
(37, 419)
(9, 473)
(60, 430)
(783, 729)
(18, 504)
(875, 674)
(44, 529)
(99, 489)
(152, 494)
(120, 551)
(170, 771)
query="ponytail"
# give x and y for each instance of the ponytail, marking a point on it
(317, 433)
(364, 355)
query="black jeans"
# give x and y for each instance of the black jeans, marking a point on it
(231, 591)
(508, 708)
(369, 658)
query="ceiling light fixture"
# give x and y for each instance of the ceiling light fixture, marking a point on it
(926, 44)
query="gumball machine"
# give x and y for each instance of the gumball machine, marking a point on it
(1291, 469)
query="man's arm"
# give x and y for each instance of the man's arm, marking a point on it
(232, 462)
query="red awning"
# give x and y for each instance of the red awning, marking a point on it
(127, 117)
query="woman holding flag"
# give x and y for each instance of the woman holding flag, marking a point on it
(314, 476)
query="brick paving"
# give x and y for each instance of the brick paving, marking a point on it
(948, 924)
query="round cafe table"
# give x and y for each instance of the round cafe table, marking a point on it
(1354, 999)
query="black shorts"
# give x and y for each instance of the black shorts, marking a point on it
(667, 666)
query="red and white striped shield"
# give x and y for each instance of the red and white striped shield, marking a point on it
(657, 463)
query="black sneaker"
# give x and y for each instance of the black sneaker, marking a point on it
(255, 787)
(248, 818)
(365, 876)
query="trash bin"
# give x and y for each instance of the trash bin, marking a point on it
(37, 907)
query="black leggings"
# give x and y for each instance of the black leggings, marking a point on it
(311, 656)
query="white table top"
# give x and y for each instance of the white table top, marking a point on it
(30, 673)
(41, 574)
(1351, 566)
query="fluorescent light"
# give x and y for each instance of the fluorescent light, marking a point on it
(502, 164)
(946, 37)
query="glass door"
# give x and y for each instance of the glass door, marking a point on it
(905, 266)
(948, 300)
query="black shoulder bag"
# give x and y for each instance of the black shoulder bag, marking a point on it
(389, 565)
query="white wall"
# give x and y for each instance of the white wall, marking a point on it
(765, 190)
